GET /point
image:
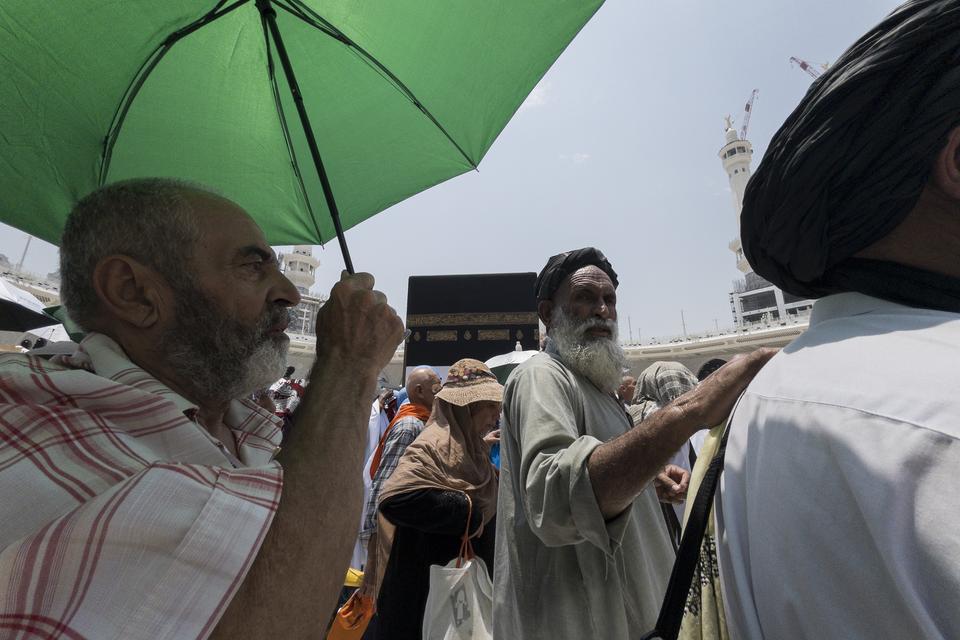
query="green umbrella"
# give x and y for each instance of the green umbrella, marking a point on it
(397, 96)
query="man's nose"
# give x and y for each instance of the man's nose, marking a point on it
(284, 292)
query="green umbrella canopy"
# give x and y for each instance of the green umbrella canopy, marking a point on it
(401, 95)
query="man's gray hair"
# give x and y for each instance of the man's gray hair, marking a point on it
(148, 219)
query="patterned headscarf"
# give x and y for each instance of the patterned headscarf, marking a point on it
(660, 384)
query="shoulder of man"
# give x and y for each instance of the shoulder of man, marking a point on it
(408, 423)
(14, 364)
(548, 380)
(541, 368)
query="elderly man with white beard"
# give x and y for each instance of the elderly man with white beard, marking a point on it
(581, 549)
(144, 496)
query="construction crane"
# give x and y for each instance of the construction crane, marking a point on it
(747, 110)
(810, 69)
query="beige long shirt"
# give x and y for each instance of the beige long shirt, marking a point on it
(561, 570)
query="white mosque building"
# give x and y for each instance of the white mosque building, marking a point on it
(753, 299)
(763, 315)
(300, 267)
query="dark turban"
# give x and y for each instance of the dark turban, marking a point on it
(563, 264)
(850, 162)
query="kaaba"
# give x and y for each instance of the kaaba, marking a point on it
(469, 316)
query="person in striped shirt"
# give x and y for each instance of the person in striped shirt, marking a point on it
(145, 495)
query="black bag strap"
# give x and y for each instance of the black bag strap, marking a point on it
(675, 599)
(673, 524)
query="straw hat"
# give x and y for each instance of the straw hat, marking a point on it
(470, 381)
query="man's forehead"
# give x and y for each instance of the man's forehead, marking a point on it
(225, 228)
(589, 276)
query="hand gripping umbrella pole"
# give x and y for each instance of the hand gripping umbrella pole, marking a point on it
(270, 18)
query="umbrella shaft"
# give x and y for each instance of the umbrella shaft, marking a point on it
(270, 18)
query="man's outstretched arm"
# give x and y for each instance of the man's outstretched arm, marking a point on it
(620, 469)
(294, 582)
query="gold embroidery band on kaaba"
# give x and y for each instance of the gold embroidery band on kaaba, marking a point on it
(493, 334)
(442, 336)
(471, 319)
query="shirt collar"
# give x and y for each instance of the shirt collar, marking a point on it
(102, 355)
(107, 359)
(844, 305)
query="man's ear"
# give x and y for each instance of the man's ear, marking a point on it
(946, 168)
(545, 311)
(130, 291)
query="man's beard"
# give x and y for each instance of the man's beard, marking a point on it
(600, 360)
(218, 358)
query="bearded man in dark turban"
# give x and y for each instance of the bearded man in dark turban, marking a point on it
(839, 506)
(582, 550)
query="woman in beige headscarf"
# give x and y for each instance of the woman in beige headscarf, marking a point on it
(443, 488)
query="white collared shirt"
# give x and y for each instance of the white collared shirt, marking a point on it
(838, 514)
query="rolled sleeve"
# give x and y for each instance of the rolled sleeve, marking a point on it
(558, 499)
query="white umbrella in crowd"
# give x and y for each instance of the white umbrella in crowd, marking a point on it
(504, 364)
(22, 311)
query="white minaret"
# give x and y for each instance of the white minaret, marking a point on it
(736, 155)
(301, 267)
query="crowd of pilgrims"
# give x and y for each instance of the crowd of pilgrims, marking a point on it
(146, 495)
(430, 524)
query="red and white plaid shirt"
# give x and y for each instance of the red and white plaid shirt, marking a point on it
(120, 517)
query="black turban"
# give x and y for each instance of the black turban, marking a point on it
(563, 264)
(850, 162)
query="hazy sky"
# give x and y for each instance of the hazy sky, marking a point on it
(616, 148)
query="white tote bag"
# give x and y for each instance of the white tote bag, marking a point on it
(460, 602)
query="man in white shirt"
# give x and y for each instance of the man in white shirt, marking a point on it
(837, 511)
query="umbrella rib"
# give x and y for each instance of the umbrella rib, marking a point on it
(284, 127)
(310, 17)
(144, 72)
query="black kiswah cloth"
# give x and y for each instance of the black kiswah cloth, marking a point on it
(850, 162)
(558, 267)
